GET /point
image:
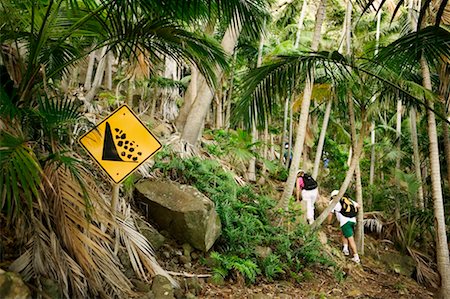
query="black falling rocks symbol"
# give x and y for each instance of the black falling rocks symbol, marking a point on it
(111, 153)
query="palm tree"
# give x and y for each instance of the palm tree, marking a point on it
(247, 16)
(301, 130)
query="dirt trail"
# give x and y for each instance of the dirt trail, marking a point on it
(371, 279)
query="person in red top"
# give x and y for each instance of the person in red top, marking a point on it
(307, 187)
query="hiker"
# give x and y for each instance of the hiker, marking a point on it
(306, 186)
(345, 211)
(286, 153)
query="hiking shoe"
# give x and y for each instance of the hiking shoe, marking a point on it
(356, 259)
(345, 252)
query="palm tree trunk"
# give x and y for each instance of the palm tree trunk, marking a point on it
(283, 138)
(323, 133)
(416, 157)
(304, 112)
(348, 176)
(108, 71)
(442, 256)
(252, 166)
(300, 24)
(189, 98)
(446, 137)
(398, 130)
(89, 71)
(372, 127)
(359, 232)
(193, 127)
(98, 79)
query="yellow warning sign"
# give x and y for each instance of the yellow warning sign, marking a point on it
(120, 143)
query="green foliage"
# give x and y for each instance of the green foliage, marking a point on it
(272, 267)
(246, 223)
(228, 263)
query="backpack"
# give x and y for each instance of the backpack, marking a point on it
(348, 208)
(309, 182)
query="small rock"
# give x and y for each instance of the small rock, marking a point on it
(12, 286)
(194, 256)
(190, 296)
(162, 288)
(166, 254)
(148, 295)
(187, 249)
(183, 259)
(194, 285)
(141, 286)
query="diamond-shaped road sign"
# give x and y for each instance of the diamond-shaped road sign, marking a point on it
(120, 143)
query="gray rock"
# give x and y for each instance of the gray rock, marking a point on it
(148, 295)
(12, 286)
(151, 234)
(162, 288)
(194, 285)
(183, 259)
(185, 213)
(187, 249)
(126, 263)
(51, 288)
(141, 286)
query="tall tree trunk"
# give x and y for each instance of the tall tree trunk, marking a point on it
(398, 130)
(252, 165)
(323, 133)
(189, 98)
(442, 256)
(193, 127)
(108, 71)
(416, 157)
(303, 120)
(300, 24)
(372, 127)
(359, 232)
(283, 136)
(90, 71)
(446, 137)
(230, 93)
(98, 79)
(348, 176)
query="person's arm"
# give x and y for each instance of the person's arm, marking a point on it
(297, 184)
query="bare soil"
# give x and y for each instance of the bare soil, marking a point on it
(371, 279)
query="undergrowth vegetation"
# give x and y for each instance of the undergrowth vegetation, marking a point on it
(252, 244)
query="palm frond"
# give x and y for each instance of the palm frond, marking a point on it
(440, 14)
(20, 174)
(404, 53)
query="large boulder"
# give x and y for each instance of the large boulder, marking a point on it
(184, 212)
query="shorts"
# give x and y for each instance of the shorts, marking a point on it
(347, 229)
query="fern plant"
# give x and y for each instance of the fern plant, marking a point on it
(246, 223)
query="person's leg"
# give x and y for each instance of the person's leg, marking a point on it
(309, 205)
(347, 230)
(345, 245)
